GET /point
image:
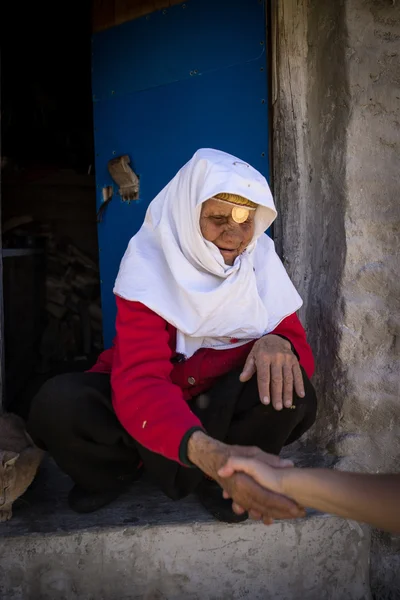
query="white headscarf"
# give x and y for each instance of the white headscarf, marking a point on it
(174, 271)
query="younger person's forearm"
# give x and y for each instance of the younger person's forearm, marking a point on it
(367, 498)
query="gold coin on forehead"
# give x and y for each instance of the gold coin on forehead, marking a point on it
(240, 214)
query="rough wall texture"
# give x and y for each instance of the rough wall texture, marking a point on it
(311, 113)
(337, 184)
(370, 345)
(385, 566)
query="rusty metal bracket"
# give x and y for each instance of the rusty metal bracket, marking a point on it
(124, 177)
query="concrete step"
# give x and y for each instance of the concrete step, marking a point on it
(145, 547)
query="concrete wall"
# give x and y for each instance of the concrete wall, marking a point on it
(336, 111)
(337, 185)
(311, 113)
(370, 344)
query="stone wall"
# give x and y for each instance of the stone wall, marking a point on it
(336, 117)
(336, 110)
(370, 343)
(311, 113)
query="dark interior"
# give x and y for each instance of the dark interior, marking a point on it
(52, 314)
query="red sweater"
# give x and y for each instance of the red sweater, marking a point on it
(150, 390)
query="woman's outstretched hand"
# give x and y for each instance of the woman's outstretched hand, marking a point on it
(278, 371)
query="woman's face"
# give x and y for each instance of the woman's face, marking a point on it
(218, 227)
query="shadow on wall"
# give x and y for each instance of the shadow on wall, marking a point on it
(311, 114)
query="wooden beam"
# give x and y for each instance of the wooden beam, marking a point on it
(108, 13)
(103, 14)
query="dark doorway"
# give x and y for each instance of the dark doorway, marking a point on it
(52, 316)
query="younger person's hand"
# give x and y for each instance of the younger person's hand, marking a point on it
(267, 470)
(263, 473)
(210, 455)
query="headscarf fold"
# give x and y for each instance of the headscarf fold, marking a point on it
(169, 267)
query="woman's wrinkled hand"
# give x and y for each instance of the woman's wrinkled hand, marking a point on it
(278, 371)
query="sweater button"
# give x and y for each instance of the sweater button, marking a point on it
(191, 380)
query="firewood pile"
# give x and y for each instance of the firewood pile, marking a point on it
(74, 320)
(71, 328)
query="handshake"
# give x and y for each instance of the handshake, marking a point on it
(269, 488)
(237, 470)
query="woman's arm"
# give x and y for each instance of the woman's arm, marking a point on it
(153, 411)
(148, 405)
(372, 499)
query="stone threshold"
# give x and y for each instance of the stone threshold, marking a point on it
(146, 547)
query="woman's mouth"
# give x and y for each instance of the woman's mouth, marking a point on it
(227, 250)
(229, 255)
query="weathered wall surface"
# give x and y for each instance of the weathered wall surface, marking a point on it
(337, 184)
(311, 109)
(370, 345)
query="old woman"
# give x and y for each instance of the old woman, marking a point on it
(209, 356)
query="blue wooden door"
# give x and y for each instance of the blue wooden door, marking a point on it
(165, 85)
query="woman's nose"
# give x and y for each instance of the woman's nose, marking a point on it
(233, 230)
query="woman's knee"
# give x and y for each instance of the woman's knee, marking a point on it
(55, 404)
(305, 411)
(310, 398)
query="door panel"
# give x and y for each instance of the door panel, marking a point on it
(149, 103)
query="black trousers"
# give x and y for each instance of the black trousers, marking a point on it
(72, 418)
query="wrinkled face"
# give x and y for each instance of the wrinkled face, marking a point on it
(7, 475)
(218, 227)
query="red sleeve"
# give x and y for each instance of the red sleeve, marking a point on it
(293, 330)
(104, 362)
(149, 406)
